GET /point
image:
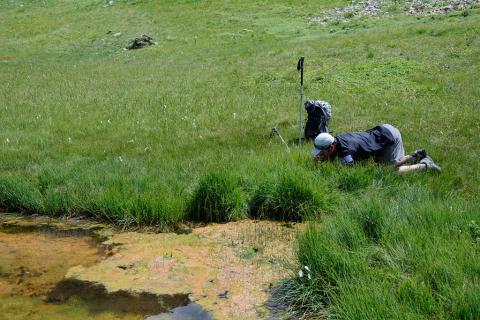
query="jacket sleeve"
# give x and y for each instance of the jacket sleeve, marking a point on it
(347, 160)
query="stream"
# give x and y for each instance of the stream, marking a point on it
(52, 269)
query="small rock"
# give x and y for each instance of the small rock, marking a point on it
(137, 43)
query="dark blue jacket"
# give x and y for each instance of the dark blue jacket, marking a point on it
(356, 146)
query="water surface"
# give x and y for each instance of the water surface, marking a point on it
(33, 263)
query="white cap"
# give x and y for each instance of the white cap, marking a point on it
(322, 142)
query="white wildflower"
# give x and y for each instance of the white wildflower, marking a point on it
(234, 115)
(300, 274)
(7, 141)
(109, 121)
(120, 158)
(69, 140)
(307, 268)
(309, 276)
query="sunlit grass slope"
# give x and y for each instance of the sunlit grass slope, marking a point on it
(90, 128)
(142, 137)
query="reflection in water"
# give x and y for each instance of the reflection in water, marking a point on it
(191, 311)
(122, 301)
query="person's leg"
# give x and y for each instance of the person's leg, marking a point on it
(412, 158)
(393, 153)
(402, 161)
(410, 168)
(425, 163)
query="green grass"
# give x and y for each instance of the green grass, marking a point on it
(410, 257)
(217, 198)
(18, 195)
(128, 136)
(289, 199)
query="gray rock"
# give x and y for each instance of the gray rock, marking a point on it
(377, 8)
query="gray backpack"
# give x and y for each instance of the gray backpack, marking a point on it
(318, 115)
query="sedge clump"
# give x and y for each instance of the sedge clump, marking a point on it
(286, 200)
(217, 198)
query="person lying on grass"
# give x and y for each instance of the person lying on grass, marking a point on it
(383, 143)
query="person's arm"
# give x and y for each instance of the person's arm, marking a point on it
(347, 160)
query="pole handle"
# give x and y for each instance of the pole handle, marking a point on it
(300, 68)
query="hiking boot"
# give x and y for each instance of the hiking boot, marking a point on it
(427, 161)
(418, 155)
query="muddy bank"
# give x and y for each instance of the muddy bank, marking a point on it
(15, 223)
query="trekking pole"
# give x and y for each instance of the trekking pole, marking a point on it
(300, 68)
(275, 131)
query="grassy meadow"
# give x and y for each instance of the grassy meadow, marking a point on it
(180, 130)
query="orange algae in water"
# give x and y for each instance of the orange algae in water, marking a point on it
(32, 264)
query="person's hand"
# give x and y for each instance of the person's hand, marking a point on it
(321, 157)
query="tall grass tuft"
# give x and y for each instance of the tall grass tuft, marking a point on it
(18, 195)
(289, 199)
(353, 180)
(153, 209)
(217, 198)
(370, 219)
(58, 201)
(110, 205)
